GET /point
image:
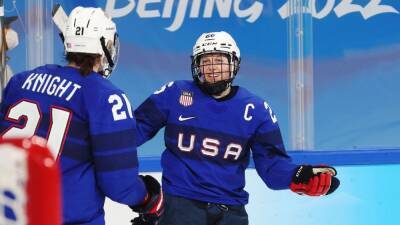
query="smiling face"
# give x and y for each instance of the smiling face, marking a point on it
(215, 67)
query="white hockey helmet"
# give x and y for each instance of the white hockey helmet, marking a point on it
(215, 42)
(90, 30)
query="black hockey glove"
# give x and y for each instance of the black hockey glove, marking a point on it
(314, 180)
(153, 206)
(144, 220)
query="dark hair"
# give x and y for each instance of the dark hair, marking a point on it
(85, 61)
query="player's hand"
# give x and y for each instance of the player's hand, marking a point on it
(153, 206)
(314, 180)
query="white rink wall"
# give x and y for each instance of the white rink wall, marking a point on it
(118, 214)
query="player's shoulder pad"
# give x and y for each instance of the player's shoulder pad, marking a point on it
(172, 87)
(98, 83)
(183, 85)
(21, 76)
(47, 68)
(248, 96)
(262, 108)
(51, 66)
(96, 87)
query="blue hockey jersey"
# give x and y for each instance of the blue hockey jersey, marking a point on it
(208, 142)
(90, 127)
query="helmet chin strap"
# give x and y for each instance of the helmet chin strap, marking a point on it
(214, 88)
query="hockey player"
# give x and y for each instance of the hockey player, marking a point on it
(210, 128)
(87, 121)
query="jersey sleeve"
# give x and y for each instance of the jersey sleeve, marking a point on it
(153, 113)
(272, 163)
(112, 132)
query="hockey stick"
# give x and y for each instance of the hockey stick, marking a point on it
(59, 17)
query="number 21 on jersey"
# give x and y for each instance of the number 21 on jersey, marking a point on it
(28, 110)
(117, 104)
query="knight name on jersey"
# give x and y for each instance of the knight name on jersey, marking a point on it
(51, 85)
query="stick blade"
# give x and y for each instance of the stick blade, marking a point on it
(59, 17)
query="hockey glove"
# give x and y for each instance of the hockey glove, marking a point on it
(314, 180)
(144, 220)
(153, 206)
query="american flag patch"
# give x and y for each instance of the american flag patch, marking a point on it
(186, 98)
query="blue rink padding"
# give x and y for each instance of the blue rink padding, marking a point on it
(334, 158)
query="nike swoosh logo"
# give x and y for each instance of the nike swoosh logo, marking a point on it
(181, 118)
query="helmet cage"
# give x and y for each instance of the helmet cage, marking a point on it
(218, 86)
(110, 56)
